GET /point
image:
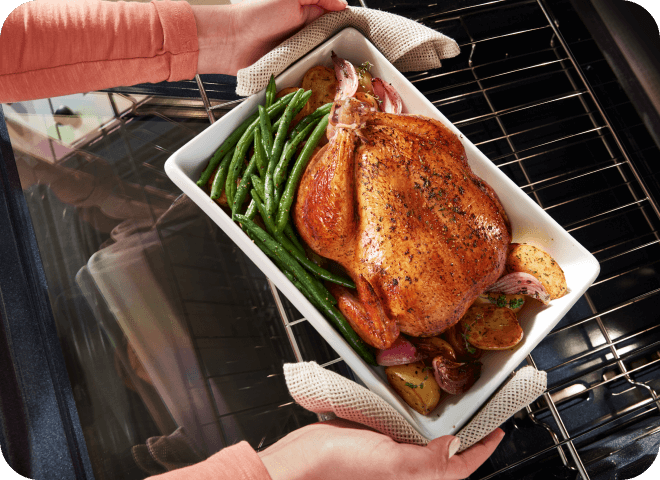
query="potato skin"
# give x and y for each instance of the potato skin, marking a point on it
(490, 327)
(464, 351)
(434, 346)
(530, 259)
(286, 91)
(416, 384)
(323, 84)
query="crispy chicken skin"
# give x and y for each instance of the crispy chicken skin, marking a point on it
(392, 199)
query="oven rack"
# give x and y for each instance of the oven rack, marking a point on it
(523, 136)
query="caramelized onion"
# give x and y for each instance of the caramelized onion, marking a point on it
(400, 353)
(520, 283)
(453, 377)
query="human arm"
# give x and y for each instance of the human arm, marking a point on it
(237, 462)
(341, 450)
(56, 47)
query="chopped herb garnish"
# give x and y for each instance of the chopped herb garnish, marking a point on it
(516, 303)
(365, 67)
(468, 347)
(411, 385)
(501, 301)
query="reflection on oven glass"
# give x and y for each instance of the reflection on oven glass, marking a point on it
(171, 335)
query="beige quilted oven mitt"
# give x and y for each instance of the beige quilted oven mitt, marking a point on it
(408, 45)
(322, 391)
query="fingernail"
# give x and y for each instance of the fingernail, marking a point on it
(454, 446)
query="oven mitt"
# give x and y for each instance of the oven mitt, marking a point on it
(408, 45)
(322, 391)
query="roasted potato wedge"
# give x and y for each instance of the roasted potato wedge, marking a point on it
(323, 84)
(455, 336)
(416, 384)
(530, 259)
(286, 91)
(513, 302)
(490, 327)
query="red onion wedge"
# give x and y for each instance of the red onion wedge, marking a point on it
(401, 352)
(347, 77)
(391, 101)
(520, 283)
(455, 377)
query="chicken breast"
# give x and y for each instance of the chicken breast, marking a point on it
(392, 199)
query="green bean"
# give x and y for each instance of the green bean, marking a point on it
(291, 111)
(258, 184)
(278, 192)
(289, 232)
(220, 176)
(279, 174)
(244, 143)
(291, 262)
(300, 256)
(303, 289)
(252, 210)
(262, 161)
(301, 286)
(266, 130)
(353, 339)
(244, 186)
(296, 173)
(332, 314)
(271, 91)
(256, 198)
(285, 269)
(282, 129)
(217, 156)
(224, 148)
(276, 150)
(315, 115)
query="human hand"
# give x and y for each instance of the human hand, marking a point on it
(343, 450)
(232, 37)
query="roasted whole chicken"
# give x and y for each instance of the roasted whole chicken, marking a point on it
(391, 198)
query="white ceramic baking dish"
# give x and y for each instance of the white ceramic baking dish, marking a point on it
(530, 225)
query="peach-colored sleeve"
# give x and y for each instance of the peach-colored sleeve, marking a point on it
(57, 47)
(238, 462)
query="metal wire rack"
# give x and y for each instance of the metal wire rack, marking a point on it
(535, 113)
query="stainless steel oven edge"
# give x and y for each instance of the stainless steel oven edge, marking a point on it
(40, 433)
